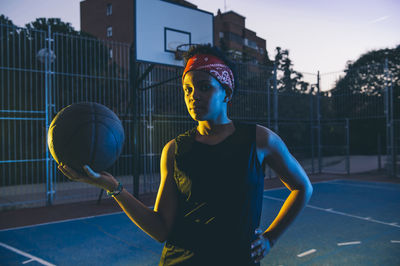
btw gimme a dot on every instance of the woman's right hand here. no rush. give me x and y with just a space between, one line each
102 180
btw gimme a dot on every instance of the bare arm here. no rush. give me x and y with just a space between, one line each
156 223
274 152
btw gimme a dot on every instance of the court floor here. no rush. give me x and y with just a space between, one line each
345 223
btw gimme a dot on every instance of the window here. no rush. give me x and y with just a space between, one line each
109 10
234 37
251 43
111 53
109 31
221 35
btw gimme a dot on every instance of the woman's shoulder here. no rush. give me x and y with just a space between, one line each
187 134
266 138
258 129
242 125
183 141
169 148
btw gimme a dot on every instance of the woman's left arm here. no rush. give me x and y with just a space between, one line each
273 151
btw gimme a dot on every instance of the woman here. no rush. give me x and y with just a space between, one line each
209 201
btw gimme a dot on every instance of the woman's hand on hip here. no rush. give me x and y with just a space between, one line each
260 248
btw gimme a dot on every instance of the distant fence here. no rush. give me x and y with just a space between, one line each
41 72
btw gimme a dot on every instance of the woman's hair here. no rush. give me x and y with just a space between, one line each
215 51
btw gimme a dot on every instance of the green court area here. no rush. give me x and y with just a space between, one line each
345 223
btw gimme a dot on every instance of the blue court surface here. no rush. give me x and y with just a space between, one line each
345 223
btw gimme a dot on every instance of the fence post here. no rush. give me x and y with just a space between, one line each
319 125
390 156
379 152
135 120
269 113
312 129
391 116
386 112
275 100
150 131
48 96
268 103
347 128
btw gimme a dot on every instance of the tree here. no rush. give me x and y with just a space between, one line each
55 23
289 80
6 21
366 79
359 95
293 97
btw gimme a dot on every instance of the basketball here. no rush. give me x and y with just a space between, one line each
86 133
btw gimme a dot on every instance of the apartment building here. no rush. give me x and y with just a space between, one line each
114 20
231 35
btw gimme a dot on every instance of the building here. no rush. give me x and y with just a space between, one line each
231 35
114 20
108 19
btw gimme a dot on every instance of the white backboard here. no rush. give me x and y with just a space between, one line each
161 26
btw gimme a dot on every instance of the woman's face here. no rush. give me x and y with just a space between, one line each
205 97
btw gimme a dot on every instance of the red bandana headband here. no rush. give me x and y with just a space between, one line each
213 66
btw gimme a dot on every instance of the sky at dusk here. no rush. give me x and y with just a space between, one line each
319 34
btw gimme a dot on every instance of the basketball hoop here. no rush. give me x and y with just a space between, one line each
181 49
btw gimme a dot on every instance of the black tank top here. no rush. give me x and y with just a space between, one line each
220 200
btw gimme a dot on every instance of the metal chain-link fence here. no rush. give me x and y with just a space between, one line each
331 124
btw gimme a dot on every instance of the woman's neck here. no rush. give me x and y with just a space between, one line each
208 128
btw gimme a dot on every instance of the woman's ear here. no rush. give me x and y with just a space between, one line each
228 94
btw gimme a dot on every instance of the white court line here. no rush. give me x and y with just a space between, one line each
395 241
285 188
341 213
349 243
31 257
308 252
66 220
107 214
60 221
363 181
327 181
27 261
364 186
272 189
